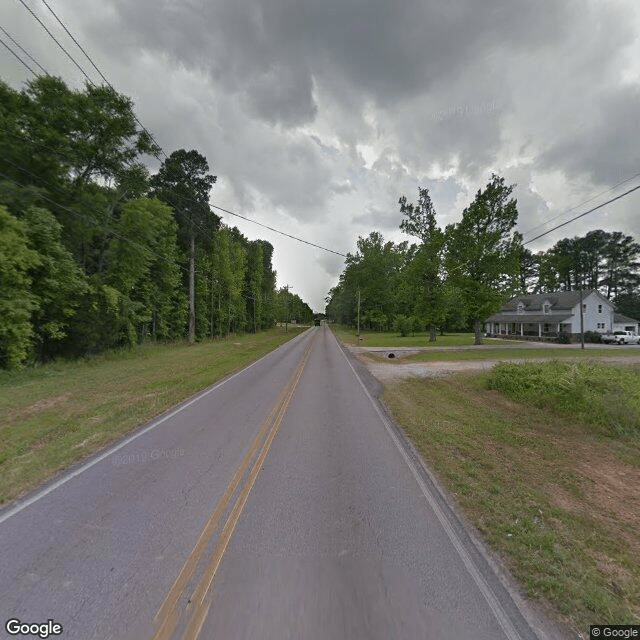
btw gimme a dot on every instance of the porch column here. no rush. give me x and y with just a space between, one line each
522 328
539 330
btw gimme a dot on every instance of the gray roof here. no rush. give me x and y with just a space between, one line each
618 318
558 299
530 318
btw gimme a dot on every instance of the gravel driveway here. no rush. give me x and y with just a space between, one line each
392 371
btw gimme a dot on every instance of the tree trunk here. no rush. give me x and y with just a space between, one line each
432 333
192 290
477 328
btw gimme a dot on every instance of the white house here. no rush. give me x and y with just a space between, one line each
548 314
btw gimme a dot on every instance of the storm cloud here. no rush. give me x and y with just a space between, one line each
317 115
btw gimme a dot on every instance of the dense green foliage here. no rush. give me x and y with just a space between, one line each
449 279
290 308
607 261
96 253
605 397
453 279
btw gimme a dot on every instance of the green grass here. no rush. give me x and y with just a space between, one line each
54 415
509 353
393 338
546 483
606 398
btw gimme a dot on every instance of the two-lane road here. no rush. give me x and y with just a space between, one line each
278 504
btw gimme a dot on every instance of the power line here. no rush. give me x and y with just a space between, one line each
4 44
93 64
75 62
283 233
46 4
288 235
615 186
66 158
84 216
582 214
149 252
24 4
26 53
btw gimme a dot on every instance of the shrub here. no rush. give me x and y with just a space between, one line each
403 325
593 336
564 338
608 398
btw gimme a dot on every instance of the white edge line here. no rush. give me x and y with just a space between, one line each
22 505
481 583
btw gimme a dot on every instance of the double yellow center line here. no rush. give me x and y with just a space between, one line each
170 613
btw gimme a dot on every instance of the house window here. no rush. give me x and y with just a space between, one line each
599 308
547 307
520 307
584 308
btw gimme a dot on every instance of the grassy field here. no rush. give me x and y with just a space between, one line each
393 338
54 415
506 353
544 459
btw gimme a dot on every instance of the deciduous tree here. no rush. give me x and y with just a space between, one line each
483 252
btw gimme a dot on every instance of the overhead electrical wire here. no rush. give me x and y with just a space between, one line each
93 64
622 195
26 53
4 44
102 227
79 214
615 186
93 221
232 213
288 235
227 211
42 24
88 217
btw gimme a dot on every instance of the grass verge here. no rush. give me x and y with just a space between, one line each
538 469
59 413
393 338
505 353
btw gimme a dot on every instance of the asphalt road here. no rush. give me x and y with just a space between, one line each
280 503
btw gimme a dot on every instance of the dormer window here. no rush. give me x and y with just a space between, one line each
547 307
520 307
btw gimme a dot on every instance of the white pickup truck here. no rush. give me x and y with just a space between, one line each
621 337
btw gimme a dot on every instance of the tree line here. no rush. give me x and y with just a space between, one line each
97 253
454 278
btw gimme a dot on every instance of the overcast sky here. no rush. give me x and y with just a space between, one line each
317 115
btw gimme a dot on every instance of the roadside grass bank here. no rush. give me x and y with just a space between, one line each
544 459
393 338
504 353
56 414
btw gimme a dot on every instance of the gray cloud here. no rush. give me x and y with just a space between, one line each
317 116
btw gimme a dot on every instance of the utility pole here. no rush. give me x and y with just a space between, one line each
581 318
192 291
358 313
286 308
